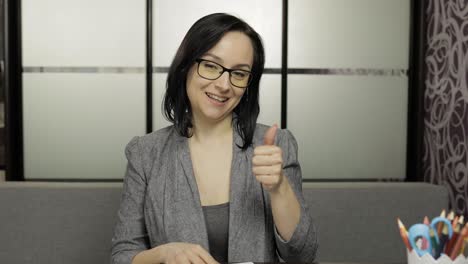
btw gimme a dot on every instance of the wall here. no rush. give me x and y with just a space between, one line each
445 159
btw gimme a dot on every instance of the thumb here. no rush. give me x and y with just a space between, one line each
269 138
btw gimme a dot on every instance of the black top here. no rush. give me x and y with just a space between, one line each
217 225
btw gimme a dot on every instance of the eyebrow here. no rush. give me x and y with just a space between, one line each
221 60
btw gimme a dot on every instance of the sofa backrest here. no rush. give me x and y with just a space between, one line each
357 221
73 222
57 222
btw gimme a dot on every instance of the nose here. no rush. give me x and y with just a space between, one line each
223 83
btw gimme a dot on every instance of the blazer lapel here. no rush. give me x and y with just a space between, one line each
195 231
240 206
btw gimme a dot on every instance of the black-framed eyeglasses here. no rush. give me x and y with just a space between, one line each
211 70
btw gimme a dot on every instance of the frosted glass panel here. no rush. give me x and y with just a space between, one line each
159 88
173 18
77 125
270 100
349 127
348 34
83 33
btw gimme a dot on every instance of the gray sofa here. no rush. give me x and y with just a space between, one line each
73 222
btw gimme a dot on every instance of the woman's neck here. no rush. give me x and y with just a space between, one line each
212 132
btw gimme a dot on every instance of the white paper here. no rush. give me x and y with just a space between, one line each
414 258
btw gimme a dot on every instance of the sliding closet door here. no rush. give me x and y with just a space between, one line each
84 81
348 87
83 86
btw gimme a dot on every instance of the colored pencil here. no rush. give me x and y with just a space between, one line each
465 241
404 234
433 241
458 244
440 226
425 243
453 239
463 249
451 216
442 241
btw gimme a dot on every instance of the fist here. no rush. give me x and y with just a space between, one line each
267 162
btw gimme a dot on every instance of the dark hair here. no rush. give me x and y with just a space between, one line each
200 38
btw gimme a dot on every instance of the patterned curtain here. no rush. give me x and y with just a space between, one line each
445 157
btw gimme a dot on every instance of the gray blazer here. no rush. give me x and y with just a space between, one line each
161 203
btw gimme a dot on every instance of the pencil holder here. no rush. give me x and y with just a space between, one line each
414 258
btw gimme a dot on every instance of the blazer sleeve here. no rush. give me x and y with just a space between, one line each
302 246
130 234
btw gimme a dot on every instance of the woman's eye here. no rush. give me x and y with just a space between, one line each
211 66
239 74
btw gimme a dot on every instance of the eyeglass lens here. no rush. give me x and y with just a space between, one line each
212 71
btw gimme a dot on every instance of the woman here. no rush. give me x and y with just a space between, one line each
215 186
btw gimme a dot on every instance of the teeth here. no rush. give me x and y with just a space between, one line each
217 98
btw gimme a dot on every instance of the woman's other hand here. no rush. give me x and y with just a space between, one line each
175 253
185 253
268 162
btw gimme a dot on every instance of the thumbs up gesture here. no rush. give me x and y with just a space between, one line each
268 162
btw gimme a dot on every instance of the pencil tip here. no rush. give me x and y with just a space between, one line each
426 220
400 224
451 215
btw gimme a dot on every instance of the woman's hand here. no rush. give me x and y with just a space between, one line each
181 253
268 162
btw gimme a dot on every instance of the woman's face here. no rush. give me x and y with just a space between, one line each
214 100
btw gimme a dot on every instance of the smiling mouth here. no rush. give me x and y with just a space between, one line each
217 98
